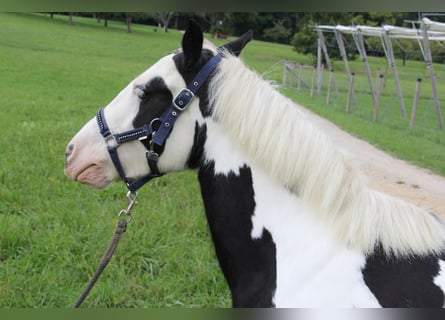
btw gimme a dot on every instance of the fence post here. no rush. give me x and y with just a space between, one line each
313 81
392 62
331 78
359 41
326 57
429 64
341 47
415 103
292 74
319 67
320 79
284 72
377 97
300 74
350 93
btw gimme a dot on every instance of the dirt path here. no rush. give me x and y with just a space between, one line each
386 173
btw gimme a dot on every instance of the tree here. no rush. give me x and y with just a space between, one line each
305 39
128 22
237 23
163 19
219 27
391 18
101 15
277 32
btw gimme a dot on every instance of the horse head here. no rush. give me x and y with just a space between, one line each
139 111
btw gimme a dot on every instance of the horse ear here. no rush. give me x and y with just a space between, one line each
237 45
192 44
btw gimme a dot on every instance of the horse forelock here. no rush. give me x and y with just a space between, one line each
275 135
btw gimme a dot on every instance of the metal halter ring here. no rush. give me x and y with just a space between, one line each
151 125
111 141
128 214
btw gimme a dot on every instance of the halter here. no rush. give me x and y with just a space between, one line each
158 137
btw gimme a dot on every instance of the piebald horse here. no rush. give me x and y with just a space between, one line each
292 221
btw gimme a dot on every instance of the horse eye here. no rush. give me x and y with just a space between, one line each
140 92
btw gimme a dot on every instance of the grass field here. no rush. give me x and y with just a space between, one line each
53 231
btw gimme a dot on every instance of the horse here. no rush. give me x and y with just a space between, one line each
293 222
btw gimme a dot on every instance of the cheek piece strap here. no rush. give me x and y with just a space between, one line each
157 138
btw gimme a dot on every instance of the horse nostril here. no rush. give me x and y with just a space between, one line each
69 150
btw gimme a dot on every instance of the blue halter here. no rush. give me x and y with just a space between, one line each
158 137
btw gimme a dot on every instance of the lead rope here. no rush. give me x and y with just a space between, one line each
118 232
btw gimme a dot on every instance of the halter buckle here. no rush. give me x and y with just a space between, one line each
183 99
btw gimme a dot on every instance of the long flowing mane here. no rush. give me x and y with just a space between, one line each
276 136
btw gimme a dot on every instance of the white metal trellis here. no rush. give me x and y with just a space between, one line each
428 31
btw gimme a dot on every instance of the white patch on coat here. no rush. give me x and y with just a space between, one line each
312 269
218 147
439 280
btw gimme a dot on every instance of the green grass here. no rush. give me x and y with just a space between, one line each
53 231
53 78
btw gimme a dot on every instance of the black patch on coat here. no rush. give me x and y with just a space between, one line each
249 265
403 281
157 98
196 157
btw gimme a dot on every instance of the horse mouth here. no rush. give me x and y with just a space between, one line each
92 175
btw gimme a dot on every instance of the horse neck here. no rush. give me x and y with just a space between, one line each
262 232
276 136
226 173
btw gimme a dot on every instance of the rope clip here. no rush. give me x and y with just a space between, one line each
132 201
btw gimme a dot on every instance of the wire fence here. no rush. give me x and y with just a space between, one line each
376 93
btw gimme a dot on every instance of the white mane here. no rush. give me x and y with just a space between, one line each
276 136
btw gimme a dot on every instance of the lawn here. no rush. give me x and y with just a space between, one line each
53 231
54 77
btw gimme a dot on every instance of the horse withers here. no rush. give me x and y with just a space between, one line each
292 222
